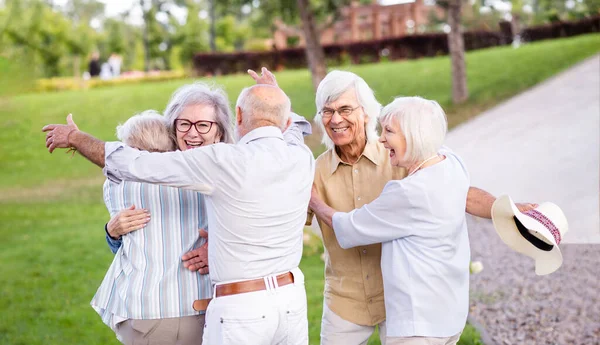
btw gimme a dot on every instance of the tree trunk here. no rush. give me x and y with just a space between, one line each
213 19
456 45
145 38
314 51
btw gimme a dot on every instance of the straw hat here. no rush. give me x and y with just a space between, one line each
536 233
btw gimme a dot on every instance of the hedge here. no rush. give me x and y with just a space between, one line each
406 47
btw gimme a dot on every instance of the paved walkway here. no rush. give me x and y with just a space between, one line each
542 145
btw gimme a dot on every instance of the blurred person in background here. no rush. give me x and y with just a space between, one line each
114 61
94 65
421 222
351 173
160 308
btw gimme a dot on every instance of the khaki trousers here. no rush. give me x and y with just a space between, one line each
337 331
185 330
422 340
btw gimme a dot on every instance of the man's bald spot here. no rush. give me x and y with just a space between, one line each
268 94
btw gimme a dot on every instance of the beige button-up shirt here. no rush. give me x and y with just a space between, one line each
353 281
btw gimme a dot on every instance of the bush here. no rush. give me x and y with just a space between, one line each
66 83
561 29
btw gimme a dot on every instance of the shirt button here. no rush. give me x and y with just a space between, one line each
364 251
356 171
371 300
367 277
358 198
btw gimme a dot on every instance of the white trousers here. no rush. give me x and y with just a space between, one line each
269 317
337 331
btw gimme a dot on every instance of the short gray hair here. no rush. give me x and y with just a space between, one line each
333 86
201 93
423 123
146 131
258 110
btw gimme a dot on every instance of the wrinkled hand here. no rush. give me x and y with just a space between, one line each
197 259
314 198
525 206
266 77
126 221
58 135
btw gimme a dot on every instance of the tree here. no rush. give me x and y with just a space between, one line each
314 52
314 16
192 35
456 46
116 39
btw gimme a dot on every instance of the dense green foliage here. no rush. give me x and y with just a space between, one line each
57 40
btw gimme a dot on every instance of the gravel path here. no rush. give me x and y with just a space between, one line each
514 306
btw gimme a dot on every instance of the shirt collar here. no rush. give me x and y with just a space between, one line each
371 152
261 132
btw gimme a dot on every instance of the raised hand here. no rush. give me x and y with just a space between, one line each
266 77
58 135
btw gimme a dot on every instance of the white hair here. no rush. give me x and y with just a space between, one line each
201 93
257 110
333 86
146 131
423 123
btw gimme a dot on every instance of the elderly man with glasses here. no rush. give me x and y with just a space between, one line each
350 174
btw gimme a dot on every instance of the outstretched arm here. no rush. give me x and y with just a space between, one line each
70 137
194 169
479 203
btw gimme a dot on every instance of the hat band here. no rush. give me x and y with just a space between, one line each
547 223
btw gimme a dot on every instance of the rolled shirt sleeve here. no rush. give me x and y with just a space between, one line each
192 169
299 128
385 219
113 244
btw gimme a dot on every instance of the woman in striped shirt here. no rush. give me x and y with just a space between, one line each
147 294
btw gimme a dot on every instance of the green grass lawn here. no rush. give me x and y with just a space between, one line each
53 254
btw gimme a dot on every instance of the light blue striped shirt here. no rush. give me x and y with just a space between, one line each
147 279
425 253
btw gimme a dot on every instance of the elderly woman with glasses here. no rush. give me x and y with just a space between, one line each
420 220
148 292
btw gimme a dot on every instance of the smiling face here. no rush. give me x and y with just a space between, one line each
394 140
192 138
346 130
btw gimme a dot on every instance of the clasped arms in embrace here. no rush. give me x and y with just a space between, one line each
253 232
365 180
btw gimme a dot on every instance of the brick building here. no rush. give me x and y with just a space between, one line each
366 22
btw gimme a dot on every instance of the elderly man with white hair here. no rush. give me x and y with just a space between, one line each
350 174
257 192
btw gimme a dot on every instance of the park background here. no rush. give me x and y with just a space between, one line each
53 254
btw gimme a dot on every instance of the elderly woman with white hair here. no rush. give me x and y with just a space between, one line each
149 292
420 220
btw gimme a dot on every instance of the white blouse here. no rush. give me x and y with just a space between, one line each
425 254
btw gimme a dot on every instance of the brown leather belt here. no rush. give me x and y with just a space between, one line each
242 287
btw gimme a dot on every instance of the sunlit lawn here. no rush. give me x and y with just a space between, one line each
53 255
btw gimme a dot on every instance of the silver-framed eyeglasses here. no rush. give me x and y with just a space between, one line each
344 111
202 127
